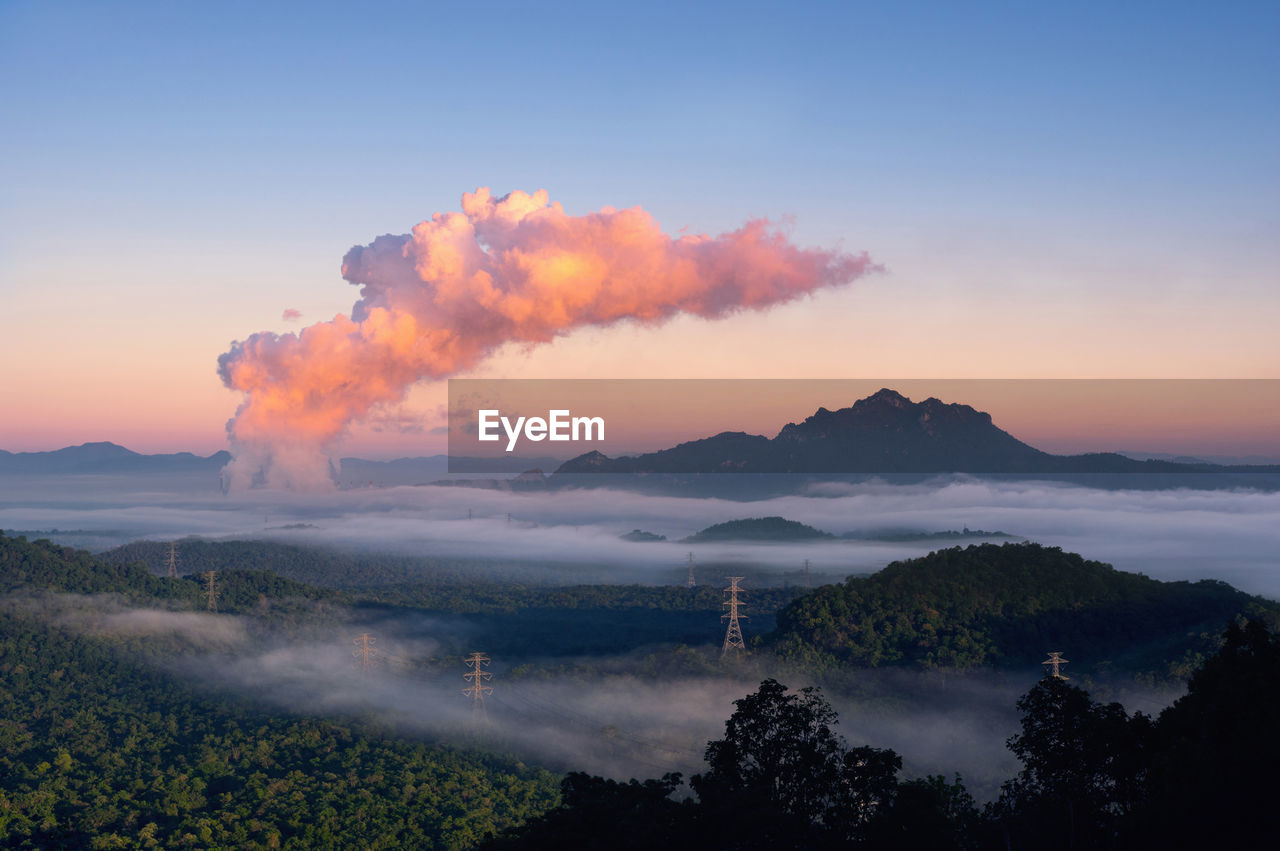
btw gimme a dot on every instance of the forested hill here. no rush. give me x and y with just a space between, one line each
99 748
45 565
1007 605
758 529
488 602
449 584
42 565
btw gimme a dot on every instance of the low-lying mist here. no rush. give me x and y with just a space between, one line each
1231 535
608 717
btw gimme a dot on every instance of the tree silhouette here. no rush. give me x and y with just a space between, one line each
596 813
1083 768
782 778
928 813
1214 777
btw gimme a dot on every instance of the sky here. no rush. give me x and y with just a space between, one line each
1221 417
1054 192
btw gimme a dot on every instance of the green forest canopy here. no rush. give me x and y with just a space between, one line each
757 529
99 749
1007 605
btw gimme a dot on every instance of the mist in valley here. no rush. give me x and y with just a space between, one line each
610 715
605 715
1230 535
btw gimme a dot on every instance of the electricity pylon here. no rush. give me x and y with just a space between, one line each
477 677
1055 660
365 651
692 581
807 583
211 590
733 635
173 560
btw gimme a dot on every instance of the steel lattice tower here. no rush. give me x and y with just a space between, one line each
733 635
365 651
173 560
211 590
692 581
1055 660
477 677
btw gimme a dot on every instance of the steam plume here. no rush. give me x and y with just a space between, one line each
511 269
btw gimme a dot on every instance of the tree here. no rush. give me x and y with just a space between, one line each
1213 778
928 812
596 813
782 778
1084 765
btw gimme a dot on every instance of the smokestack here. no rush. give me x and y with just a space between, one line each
439 300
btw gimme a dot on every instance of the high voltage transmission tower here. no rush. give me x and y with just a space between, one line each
733 635
211 590
1054 661
477 676
173 560
692 581
365 651
806 574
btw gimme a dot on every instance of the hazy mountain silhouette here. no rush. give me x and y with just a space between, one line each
105 457
883 433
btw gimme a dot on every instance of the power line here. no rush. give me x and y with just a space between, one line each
397 661
173 560
594 724
586 720
733 635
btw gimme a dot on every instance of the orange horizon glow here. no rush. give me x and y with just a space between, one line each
1219 417
1064 416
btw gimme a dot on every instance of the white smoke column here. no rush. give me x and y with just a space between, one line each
511 269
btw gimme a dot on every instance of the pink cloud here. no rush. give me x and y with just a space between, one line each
511 269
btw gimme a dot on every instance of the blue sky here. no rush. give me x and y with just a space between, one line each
176 174
700 111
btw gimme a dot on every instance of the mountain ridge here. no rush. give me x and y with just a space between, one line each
103 456
883 433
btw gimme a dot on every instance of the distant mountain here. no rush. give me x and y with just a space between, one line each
640 536
903 535
357 472
883 433
757 529
1227 460
104 457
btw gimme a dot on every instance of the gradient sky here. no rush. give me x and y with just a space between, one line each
1236 417
1083 191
